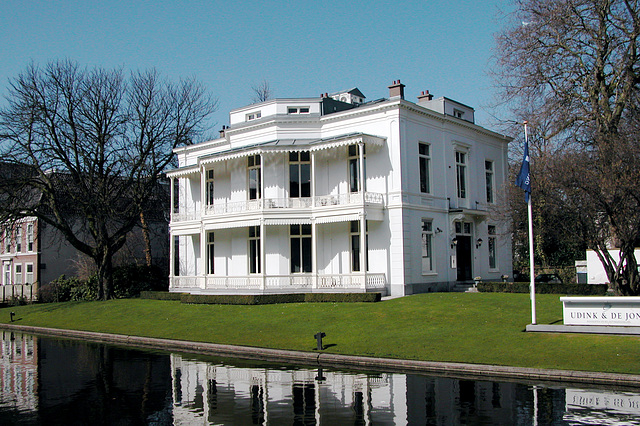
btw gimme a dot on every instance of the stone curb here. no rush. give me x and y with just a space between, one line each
323 359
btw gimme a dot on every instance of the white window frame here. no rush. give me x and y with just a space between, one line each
489 178
298 110
6 273
254 164
211 258
254 255
28 275
30 239
354 235
17 270
209 187
253 116
301 236
461 174
19 239
424 158
426 245
492 247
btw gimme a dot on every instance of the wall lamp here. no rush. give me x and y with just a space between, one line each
478 242
454 242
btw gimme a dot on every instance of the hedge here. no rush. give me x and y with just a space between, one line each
160 295
572 289
262 299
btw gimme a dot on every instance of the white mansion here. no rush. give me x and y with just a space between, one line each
336 194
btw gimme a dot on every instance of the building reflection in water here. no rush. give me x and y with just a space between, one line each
55 381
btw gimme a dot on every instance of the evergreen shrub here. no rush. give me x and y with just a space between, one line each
569 289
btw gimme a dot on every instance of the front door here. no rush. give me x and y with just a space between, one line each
463 255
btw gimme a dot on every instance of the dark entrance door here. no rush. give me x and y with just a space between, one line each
463 257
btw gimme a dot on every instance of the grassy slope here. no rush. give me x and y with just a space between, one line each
484 328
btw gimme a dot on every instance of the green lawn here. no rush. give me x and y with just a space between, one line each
480 328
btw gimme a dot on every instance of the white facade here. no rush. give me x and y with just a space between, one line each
278 202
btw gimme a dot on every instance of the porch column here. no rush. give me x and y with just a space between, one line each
361 167
363 248
263 265
203 255
314 253
261 188
313 179
171 236
171 197
203 191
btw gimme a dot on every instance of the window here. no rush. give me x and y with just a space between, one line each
19 239
210 253
424 161
253 167
461 174
463 228
28 278
298 110
253 115
299 174
7 274
427 246
488 172
457 113
354 166
300 248
209 187
492 247
30 237
7 241
176 256
354 232
18 275
254 250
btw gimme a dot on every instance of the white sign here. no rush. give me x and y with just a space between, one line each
613 311
620 402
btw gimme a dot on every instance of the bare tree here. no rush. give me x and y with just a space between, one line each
261 92
90 146
574 66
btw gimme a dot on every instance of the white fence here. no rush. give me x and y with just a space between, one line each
295 283
231 207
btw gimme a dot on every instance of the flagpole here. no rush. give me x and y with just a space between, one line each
532 275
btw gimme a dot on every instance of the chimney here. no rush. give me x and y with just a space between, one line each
222 130
425 96
396 90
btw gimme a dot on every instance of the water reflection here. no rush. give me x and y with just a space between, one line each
49 381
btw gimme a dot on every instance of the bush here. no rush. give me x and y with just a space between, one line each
65 289
265 299
160 295
130 280
569 289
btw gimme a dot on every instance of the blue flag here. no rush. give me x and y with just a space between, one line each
524 180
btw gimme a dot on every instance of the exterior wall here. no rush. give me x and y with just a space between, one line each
595 271
392 169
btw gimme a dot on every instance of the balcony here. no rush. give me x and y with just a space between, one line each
371 199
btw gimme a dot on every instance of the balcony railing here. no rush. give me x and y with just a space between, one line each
279 283
231 207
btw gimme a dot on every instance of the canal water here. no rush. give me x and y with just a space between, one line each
46 381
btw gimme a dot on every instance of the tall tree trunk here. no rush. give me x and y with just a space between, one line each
104 264
146 238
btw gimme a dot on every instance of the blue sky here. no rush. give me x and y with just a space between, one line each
302 49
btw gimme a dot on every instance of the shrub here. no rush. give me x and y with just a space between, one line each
160 295
64 289
130 280
518 287
264 299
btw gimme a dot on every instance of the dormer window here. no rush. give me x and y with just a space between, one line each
298 110
458 114
253 115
